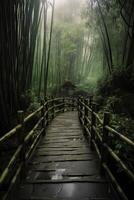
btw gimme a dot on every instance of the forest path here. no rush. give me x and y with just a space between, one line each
63 166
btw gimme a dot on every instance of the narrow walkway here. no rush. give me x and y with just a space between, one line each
63 166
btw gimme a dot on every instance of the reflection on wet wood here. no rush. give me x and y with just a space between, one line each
63 166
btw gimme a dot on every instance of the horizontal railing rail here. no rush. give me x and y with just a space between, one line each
27 140
99 130
101 134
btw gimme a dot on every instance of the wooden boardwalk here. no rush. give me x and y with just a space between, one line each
63 167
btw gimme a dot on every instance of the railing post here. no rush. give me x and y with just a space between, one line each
53 110
63 104
82 99
73 103
46 110
22 142
78 106
90 101
105 139
81 107
85 112
93 124
85 117
42 113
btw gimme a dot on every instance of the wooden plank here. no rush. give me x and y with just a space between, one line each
62 137
84 180
49 160
63 163
49 198
59 148
62 146
61 154
73 166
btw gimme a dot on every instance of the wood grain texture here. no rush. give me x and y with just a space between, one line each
64 166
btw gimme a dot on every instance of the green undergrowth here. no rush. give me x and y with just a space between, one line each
116 95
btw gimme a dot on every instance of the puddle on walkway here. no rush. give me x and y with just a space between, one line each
59 173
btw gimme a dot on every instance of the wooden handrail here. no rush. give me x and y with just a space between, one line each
118 160
13 182
10 134
88 108
119 135
90 121
10 164
47 111
100 139
27 138
29 117
34 143
98 118
18 127
58 105
97 133
114 181
113 131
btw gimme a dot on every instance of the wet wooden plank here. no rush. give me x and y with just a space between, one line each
43 198
59 159
59 153
84 166
66 191
63 166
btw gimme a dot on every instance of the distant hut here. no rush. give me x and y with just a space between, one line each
67 89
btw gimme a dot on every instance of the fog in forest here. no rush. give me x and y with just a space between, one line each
47 44
66 99
75 59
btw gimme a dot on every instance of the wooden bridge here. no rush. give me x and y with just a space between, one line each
63 151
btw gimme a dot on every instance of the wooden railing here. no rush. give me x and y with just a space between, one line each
25 139
101 136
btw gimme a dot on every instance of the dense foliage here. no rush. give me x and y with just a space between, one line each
19 25
43 43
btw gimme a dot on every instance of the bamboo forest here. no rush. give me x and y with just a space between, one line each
66 99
